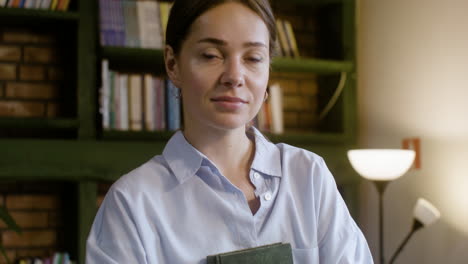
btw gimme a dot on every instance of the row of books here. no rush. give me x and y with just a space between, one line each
131 23
270 116
138 102
58 5
287 45
57 258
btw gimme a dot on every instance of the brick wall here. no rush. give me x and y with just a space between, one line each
38 208
31 73
299 99
303 22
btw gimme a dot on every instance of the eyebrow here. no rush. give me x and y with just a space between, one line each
220 42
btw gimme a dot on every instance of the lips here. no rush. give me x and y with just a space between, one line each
229 99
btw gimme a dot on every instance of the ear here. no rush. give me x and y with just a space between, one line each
172 66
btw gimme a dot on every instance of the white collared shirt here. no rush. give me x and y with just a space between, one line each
177 208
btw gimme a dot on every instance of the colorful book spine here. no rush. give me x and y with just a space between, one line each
294 51
164 9
123 104
105 94
132 32
173 112
149 103
276 109
149 23
160 88
135 99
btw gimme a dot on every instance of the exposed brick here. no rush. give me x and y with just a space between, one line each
294 75
53 109
40 253
307 120
21 109
291 119
28 219
55 219
99 200
31 201
55 74
308 87
288 86
39 54
29 238
7 71
10 53
11 256
31 90
297 103
25 36
32 73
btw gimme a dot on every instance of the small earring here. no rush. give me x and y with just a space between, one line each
266 96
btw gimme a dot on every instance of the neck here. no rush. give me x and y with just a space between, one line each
228 149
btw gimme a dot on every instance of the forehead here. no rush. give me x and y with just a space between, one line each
231 20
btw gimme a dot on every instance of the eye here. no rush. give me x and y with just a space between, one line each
210 56
255 59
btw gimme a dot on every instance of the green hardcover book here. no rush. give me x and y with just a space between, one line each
278 253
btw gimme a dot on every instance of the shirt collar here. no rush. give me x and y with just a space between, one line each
184 160
267 156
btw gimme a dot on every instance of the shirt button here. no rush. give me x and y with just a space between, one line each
267 196
256 175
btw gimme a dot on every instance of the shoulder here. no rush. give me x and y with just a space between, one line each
150 176
298 156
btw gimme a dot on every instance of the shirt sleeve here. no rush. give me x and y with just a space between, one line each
340 239
114 237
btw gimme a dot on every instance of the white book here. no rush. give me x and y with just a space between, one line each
105 94
149 23
150 102
135 102
283 38
291 39
276 108
28 4
160 88
123 79
37 4
45 4
116 101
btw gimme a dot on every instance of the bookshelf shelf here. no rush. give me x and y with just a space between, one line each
153 58
137 135
36 16
134 58
311 65
35 123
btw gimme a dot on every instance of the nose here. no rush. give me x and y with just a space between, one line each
233 75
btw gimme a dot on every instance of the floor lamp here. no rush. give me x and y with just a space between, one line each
381 166
424 214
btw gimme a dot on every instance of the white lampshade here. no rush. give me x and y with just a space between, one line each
381 164
425 212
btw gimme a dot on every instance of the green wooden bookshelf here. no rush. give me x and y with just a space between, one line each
39 123
35 16
95 155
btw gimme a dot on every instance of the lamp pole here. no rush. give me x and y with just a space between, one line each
381 185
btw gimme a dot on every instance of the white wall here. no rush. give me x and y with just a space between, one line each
413 81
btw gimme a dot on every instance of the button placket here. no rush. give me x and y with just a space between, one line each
267 196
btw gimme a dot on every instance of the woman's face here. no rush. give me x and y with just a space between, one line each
223 68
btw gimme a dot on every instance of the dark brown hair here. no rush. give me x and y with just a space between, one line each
185 12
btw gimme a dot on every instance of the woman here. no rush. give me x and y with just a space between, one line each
219 185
